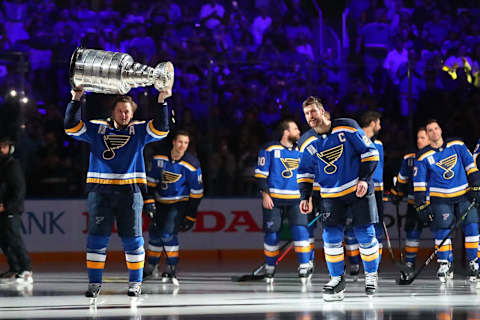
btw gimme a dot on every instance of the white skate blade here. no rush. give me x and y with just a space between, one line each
333 297
175 282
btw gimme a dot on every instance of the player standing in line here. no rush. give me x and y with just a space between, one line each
370 123
276 175
175 185
115 180
311 110
404 187
344 160
449 171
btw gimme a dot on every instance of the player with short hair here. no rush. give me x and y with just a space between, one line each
449 171
404 187
276 175
174 194
344 159
371 125
116 179
311 109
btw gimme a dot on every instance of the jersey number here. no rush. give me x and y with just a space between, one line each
261 161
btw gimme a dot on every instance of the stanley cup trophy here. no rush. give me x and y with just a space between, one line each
116 73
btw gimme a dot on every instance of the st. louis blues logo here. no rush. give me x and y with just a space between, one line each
113 142
447 164
169 177
290 164
329 156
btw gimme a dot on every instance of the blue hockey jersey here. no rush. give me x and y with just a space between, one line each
378 174
447 171
276 172
404 185
339 158
173 181
305 140
116 156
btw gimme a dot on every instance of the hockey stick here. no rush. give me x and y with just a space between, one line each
255 273
399 231
399 227
407 280
403 269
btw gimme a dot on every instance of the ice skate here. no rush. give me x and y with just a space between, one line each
305 272
445 272
269 274
334 289
93 291
149 271
170 275
472 270
371 281
134 289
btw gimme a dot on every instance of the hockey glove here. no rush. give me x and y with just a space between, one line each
475 191
149 208
187 223
425 214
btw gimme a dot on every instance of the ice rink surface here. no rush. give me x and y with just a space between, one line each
207 295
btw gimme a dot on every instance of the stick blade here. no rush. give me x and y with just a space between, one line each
247 277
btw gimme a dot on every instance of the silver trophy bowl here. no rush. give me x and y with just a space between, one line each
116 73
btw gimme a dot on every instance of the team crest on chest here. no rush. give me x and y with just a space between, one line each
113 142
329 156
290 164
169 177
447 164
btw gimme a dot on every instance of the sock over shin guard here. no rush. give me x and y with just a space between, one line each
155 249
445 251
333 247
301 242
271 248
170 242
411 246
135 256
471 240
96 256
369 251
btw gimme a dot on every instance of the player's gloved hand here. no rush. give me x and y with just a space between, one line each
475 191
395 198
149 208
187 223
425 214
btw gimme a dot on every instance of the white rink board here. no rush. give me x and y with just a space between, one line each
61 226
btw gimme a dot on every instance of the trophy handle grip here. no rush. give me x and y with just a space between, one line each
73 60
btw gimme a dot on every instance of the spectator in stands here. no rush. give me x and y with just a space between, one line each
211 14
